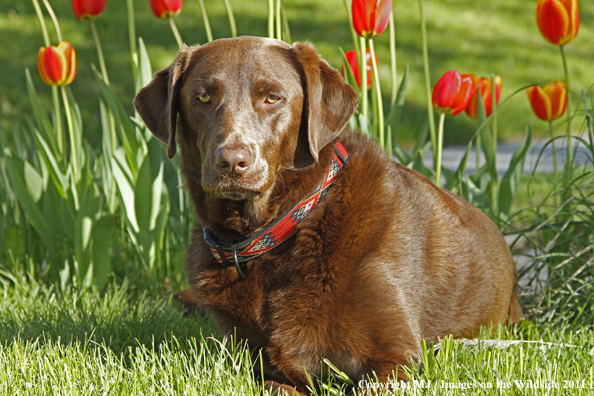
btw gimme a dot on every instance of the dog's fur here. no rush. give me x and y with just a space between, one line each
385 260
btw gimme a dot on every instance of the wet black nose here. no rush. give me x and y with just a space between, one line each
233 160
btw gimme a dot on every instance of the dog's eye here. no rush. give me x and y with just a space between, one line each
204 98
272 99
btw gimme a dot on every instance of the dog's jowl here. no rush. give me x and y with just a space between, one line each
312 244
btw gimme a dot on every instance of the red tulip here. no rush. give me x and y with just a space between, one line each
548 102
484 86
452 92
88 9
57 65
371 17
166 8
352 57
558 20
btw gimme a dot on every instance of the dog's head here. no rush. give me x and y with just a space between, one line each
247 108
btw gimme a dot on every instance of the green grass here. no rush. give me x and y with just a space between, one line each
481 37
122 341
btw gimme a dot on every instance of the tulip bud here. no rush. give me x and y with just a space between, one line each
548 102
452 92
57 65
484 88
352 58
88 9
558 20
371 17
166 8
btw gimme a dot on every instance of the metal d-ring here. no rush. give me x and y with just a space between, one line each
240 271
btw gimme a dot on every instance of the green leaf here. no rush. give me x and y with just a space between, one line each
59 178
486 139
145 72
404 158
126 190
143 196
134 146
511 179
350 77
455 179
395 114
101 236
41 120
16 173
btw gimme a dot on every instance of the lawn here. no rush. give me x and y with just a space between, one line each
126 342
481 37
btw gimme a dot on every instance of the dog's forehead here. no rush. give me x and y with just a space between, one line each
243 57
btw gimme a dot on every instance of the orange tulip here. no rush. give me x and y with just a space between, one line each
548 102
558 20
166 8
452 92
484 87
352 57
57 65
371 17
88 9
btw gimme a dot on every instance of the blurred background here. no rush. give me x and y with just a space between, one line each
486 37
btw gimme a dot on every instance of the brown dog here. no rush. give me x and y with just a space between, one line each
380 260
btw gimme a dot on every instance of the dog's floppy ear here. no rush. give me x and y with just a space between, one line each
329 101
157 103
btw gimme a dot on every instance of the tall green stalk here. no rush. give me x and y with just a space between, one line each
393 59
271 18
231 18
569 117
378 92
279 28
206 23
178 38
132 37
363 73
74 146
99 52
428 82
437 150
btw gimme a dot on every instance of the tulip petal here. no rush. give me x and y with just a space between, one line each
540 103
553 22
467 90
445 90
384 9
558 97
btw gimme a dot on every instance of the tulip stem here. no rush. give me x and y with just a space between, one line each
363 73
46 38
494 117
378 91
279 29
206 25
271 18
569 118
99 52
437 149
427 80
132 36
551 130
52 15
353 33
231 18
58 119
74 140
393 58
176 34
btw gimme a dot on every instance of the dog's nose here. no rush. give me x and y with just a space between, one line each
233 160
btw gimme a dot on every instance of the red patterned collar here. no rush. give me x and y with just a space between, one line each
239 253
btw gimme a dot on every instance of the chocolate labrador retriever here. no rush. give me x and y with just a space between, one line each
312 243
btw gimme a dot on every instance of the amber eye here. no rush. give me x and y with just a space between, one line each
204 98
272 99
